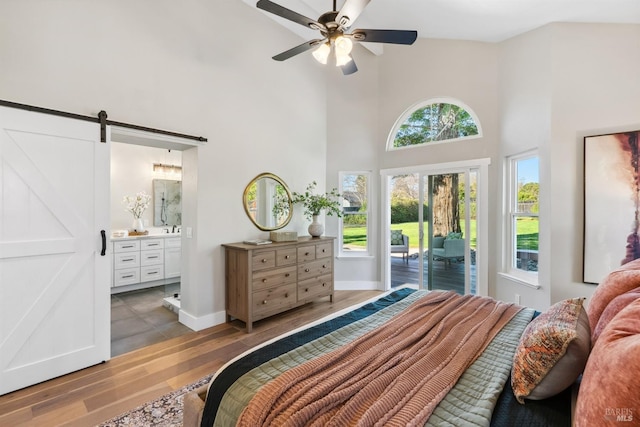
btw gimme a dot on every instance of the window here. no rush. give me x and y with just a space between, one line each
354 229
523 221
436 120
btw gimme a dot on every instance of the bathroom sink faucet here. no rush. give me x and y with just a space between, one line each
174 229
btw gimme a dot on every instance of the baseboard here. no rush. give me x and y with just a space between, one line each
357 286
204 322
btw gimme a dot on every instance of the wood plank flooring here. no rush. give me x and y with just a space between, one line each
96 394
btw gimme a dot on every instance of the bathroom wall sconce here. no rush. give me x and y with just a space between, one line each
159 167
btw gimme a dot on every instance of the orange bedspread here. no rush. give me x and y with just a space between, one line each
394 375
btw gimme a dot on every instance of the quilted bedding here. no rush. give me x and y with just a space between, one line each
471 401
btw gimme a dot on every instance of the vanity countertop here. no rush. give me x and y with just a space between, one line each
147 236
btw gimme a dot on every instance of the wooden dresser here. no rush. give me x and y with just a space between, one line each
263 280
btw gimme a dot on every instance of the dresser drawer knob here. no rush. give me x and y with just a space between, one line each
306 253
287 275
287 256
264 260
286 295
264 280
306 289
324 266
306 270
264 301
324 284
324 250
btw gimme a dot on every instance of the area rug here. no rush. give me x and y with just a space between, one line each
166 411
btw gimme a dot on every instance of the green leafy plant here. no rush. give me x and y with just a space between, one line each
314 204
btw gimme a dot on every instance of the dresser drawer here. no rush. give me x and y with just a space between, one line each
272 278
151 244
273 300
151 272
153 257
126 276
306 253
314 269
314 288
324 250
126 260
286 256
262 260
126 246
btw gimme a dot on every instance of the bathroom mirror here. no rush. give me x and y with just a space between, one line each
267 202
167 203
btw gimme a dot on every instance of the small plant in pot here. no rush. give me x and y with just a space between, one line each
314 204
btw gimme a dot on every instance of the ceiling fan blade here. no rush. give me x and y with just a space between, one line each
385 36
350 11
283 12
298 49
349 68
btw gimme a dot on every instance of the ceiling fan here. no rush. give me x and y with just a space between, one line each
333 26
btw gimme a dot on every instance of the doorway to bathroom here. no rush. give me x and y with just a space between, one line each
146 236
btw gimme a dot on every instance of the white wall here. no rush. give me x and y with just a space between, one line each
525 116
363 114
559 84
193 67
596 89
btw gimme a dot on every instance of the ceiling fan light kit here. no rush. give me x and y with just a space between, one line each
333 26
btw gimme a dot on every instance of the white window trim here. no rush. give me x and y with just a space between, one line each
368 253
482 231
440 100
528 278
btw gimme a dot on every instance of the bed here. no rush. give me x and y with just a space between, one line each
412 357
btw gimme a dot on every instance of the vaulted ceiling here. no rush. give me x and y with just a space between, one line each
480 20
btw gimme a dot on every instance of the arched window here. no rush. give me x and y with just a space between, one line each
436 120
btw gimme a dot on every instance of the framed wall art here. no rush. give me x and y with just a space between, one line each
611 203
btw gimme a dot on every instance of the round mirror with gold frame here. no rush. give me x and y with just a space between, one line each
267 202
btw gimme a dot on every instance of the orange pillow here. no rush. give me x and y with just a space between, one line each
610 391
619 281
612 309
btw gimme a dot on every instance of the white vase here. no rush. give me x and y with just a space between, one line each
138 225
316 228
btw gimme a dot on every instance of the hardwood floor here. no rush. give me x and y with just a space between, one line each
96 394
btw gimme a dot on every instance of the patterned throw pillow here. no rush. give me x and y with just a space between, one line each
396 237
452 236
552 352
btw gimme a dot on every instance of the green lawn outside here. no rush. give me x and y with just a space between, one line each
527 233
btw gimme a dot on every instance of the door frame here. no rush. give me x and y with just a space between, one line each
189 273
482 226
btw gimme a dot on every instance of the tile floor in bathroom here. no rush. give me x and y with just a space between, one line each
139 319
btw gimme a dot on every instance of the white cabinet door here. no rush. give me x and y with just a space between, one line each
54 277
172 261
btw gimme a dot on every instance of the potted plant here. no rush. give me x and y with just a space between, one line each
314 204
137 205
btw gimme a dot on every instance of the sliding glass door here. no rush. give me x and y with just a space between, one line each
438 212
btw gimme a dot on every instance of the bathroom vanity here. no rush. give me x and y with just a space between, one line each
145 261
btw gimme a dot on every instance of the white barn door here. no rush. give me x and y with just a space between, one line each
54 280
